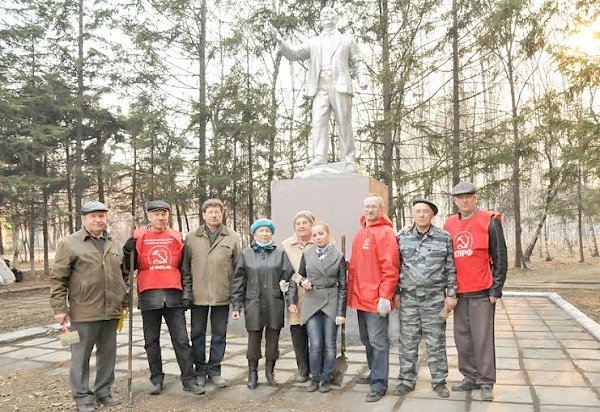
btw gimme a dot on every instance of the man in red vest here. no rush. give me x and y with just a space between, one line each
163 292
480 258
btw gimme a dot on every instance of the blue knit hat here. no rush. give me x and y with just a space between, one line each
262 222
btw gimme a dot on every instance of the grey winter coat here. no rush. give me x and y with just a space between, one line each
255 286
328 277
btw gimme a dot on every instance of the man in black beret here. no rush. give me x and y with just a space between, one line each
427 285
163 293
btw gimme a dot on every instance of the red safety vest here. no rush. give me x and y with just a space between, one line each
470 241
159 256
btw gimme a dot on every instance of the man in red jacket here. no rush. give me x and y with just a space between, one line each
480 258
372 280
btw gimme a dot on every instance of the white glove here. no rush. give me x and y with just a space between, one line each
340 320
284 286
384 306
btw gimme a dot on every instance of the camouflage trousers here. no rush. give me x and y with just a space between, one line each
419 320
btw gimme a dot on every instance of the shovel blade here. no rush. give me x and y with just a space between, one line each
339 370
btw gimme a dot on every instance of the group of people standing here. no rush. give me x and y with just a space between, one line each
423 270
461 267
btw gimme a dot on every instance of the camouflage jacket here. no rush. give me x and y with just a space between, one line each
427 260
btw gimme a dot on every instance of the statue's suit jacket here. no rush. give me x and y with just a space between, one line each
346 52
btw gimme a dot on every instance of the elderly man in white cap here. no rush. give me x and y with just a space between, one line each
87 275
481 263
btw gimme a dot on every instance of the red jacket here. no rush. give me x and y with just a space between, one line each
374 266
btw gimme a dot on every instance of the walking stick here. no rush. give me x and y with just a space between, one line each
130 342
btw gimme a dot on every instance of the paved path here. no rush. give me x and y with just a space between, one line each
548 359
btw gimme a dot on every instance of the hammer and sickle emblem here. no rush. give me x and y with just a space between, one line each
463 240
159 255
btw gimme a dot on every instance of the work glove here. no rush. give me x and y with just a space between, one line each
340 320
284 286
130 244
384 306
186 303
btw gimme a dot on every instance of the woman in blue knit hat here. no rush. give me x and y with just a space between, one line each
261 278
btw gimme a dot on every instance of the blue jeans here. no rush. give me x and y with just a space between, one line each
322 334
373 331
218 329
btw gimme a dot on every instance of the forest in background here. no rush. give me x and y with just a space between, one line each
126 101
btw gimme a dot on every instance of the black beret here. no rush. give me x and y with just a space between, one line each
427 202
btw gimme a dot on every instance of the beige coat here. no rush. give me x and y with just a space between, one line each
211 267
91 282
294 248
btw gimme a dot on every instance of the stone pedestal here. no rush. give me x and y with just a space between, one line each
335 200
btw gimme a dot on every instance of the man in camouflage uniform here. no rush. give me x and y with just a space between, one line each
427 290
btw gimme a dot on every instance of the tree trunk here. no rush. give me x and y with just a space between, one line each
386 85
1 236
179 221
79 128
69 178
187 222
234 195
16 238
100 167
455 101
551 193
547 252
592 236
516 168
579 215
202 109
566 236
45 234
32 239
246 120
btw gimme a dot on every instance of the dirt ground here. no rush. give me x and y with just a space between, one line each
48 391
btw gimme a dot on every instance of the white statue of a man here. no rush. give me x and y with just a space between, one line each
329 84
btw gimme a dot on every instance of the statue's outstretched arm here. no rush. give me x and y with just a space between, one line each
293 53
359 65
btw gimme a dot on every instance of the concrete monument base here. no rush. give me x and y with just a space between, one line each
336 200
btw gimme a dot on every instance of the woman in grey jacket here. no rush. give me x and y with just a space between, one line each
323 276
259 281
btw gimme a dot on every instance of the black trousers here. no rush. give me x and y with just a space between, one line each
253 352
175 319
300 344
